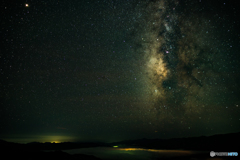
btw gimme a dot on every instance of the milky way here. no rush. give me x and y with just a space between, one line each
179 60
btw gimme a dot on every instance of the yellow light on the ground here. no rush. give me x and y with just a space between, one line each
115 146
55 142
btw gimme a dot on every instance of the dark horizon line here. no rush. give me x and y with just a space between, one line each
47 142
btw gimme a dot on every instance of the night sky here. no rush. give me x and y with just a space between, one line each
111 70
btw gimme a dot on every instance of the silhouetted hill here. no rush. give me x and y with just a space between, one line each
35 150
63 146
49 146
220 142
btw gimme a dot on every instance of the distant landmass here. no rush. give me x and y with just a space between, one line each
220 143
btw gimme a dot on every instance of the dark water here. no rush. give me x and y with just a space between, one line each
140 153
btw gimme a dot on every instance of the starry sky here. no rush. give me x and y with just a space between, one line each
112 70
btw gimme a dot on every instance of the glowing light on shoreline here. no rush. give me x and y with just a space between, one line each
154 150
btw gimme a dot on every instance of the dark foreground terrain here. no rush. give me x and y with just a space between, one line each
41 151
221 143
217 143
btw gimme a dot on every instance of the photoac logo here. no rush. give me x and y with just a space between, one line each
212 153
